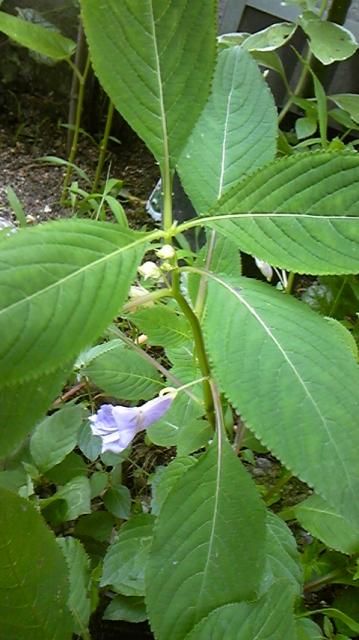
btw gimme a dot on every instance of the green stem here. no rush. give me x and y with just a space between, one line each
142 300
200 348
302 81
280 483
167 181
337 298
290 282
328 578
201 295
79 108
221 430
103 146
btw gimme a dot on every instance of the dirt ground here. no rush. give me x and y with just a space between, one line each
38 185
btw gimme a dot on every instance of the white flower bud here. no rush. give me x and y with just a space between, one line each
166 252
149 270
264 268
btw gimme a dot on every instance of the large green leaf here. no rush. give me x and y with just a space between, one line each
155 60
60 286
163 326
36 37
235 134
282 556
123 374
165 479
270 618
299 213
208 547
33 576
323 522
125 561
78 564
294 384
56 436
24 404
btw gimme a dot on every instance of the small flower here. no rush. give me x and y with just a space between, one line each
117 425
166 252
149 270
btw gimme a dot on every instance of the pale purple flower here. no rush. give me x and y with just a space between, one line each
117 426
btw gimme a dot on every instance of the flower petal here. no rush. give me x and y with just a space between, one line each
117 426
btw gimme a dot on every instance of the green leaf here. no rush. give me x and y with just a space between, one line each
56 436
71 467
305 127
163 326
329 42
117 501
89 444
97 525
347 602
183 411
23 405
37 38
271 38
33 575
208 541
349 102
326 524
307 630
164 55
305 382
126 559
236 132
123 374
130 609
165 479
298 213
269 618
61 284
98 483
282 556
78 564
76 494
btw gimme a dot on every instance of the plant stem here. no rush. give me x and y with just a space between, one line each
337 298
201 295
150 297
279 484
314 585
146 356
167 181
298 90
80 101
290 282
103 146
200 348
79 66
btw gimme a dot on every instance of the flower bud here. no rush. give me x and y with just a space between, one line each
149 270
166 252
264 268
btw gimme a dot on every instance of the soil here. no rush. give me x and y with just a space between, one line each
38 185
